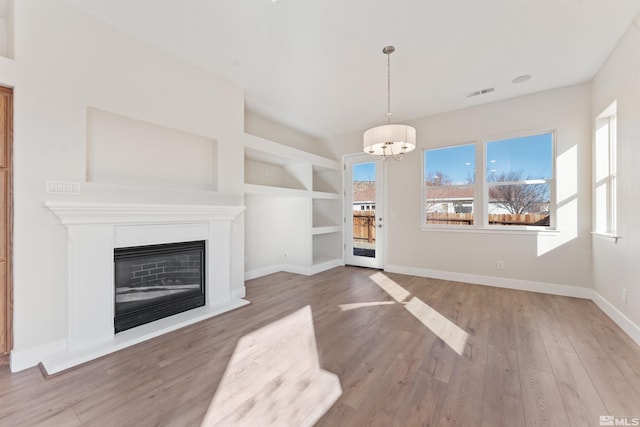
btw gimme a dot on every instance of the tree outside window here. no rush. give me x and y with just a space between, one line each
519 179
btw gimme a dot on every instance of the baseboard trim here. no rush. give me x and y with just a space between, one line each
324 266
259 272
626 324
24 359
499 282
295 269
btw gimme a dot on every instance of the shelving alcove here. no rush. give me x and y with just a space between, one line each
293 215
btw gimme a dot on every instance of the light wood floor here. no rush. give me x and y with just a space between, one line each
530 359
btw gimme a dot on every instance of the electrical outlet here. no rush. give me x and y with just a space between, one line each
624 295
499 265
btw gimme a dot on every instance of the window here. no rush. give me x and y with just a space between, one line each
604 172
516 187
519 180
449 181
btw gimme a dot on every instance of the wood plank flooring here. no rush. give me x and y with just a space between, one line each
529 360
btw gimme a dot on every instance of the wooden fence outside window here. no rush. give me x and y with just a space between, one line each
536 219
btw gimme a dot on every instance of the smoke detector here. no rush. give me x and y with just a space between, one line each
521 79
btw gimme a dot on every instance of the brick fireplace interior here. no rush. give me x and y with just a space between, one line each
156 281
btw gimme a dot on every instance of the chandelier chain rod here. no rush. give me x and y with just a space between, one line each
388 88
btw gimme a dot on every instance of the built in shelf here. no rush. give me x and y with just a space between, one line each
302 215
267 190
326 179
325 195
264 150
328 229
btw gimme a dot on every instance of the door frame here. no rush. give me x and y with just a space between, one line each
7 310
379 260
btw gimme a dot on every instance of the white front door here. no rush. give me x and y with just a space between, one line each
363 211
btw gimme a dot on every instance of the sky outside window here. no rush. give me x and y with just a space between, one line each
530 155
457 163
364 172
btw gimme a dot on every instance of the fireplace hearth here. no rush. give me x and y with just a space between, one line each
157 281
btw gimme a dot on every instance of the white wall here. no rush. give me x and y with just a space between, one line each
67 62
260 126
6 28
553 259
118 150
275 227
616 265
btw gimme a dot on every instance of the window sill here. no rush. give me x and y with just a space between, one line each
609 237
492 230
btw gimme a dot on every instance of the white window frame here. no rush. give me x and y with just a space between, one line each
608 228
481 191
551 181
474 200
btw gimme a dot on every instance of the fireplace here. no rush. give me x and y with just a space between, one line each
157 281
96 229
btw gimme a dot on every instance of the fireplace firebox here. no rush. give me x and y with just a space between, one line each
156 281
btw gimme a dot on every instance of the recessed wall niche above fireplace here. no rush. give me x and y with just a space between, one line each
157 281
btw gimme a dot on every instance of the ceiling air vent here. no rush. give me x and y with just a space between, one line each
480 92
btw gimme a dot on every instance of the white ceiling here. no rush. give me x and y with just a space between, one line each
318 66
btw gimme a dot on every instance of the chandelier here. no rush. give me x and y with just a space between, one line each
390 140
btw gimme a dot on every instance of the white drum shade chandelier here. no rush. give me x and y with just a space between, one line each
390 140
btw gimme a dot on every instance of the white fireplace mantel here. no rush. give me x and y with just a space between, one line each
75 213
95 230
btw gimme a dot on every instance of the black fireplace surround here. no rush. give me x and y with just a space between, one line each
156 281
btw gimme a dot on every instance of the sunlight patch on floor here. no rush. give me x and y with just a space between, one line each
353 306
396 291
274 378
445 329
454 336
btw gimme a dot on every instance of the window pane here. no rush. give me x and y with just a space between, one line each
602 150
449 205
519 204
519 159
450 166
364 219
449 174
600 205
604 171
